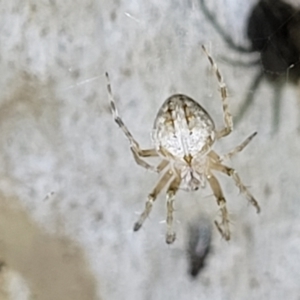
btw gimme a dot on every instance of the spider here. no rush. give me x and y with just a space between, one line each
273 31
183 135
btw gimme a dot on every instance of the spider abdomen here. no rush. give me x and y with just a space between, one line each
183 128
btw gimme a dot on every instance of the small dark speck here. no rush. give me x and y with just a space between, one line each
113 15
267 191
254 283
98 216
33 8
126 72
73 206
75 73
44 32
248 232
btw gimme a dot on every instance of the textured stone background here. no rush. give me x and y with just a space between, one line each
69 187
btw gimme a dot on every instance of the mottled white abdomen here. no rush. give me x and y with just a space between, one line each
183 128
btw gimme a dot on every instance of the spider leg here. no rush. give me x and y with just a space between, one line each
236 178
138 153
151 198
214 156
173 188
250 96
134 145
223 227
238 148
212 19
162 165
223 90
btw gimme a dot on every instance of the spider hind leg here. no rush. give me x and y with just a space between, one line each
151 198
171 192
223 226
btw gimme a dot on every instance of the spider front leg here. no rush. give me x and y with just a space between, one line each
238 148
151 198
173 188
236 178
216 158
224 95
134 145
223 227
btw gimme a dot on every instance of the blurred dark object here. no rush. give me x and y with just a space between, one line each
273 30
2 265
199 240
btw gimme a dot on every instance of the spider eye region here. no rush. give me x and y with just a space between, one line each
183 128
